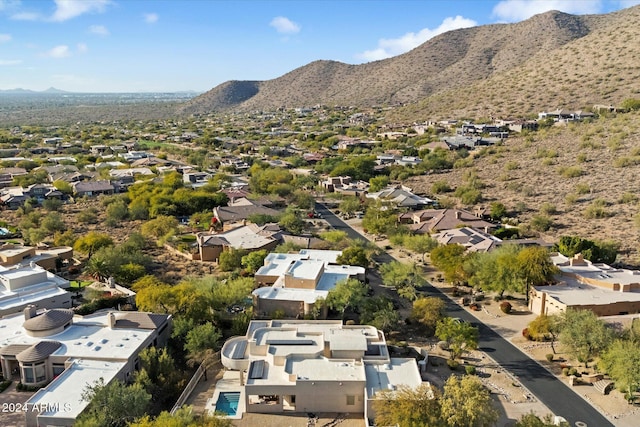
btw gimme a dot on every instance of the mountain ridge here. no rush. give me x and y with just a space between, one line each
446 64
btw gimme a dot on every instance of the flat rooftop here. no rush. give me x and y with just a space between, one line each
305 269
573 292
88 337
63 396
399 371
326 370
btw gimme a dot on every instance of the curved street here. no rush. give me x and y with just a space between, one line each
552 392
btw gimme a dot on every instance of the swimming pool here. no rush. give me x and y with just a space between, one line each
228 402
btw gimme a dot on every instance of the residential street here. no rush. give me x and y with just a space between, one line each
557 396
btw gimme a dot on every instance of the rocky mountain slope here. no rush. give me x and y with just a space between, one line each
577 60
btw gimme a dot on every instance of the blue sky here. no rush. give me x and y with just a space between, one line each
175 45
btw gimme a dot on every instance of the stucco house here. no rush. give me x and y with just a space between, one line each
68 352
581 284
293 283
289 366
250 237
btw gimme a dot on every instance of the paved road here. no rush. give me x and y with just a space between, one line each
555 394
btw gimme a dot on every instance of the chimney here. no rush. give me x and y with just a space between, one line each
112 320
111 282
29 312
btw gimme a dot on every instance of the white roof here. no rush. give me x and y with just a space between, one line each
574 293
398 372
63 396
305 269
87 337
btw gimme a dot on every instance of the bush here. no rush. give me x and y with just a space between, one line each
574 372
526 333
549 357
452 364
565 372
4 385
505 307
470 369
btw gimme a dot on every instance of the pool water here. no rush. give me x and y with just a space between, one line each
228 403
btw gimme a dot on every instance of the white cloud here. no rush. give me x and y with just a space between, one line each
151 18
61 51
392 47
284 25
518 10
5 38
82 48
99 30
10 61
68 9
26 16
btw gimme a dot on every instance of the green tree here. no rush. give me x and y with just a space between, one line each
497 270
53 222
379 220
498 211
622 362
254 260
460 336
404 277
532 420
52 205
114 404
292 222
584 334
420 243
347 294
201 342
536 267
428 311
419 407
91 242
349 205
161 228
128 273
231 259
449 259
467 403
353 255
546 326
117 211
378 183
159 377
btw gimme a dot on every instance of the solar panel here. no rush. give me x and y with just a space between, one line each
256 370
239 350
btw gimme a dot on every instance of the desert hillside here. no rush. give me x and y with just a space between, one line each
503 69
583 176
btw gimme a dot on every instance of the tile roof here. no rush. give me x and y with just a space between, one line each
50 319
39 351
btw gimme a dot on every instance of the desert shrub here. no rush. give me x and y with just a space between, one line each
581 158
574 372
278 314
452 364
541 223
565 372
597 209
549 357
582 188
570 171
628 198
548 209
571 199
505 307
526 333
512 165
470 369
440 187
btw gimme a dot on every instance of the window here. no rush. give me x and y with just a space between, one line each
351 400
34 373
58 369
